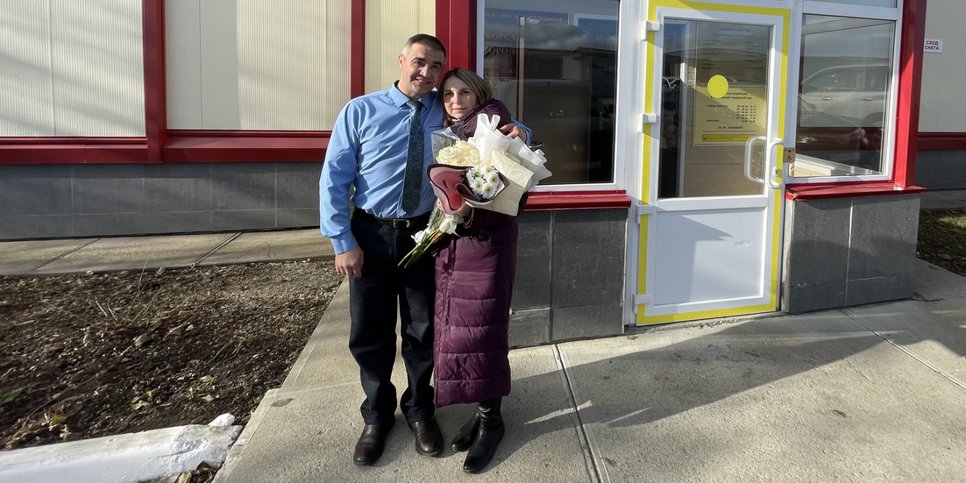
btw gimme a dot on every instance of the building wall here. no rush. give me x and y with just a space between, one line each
941 169
68 201
570 276
844 252
942 102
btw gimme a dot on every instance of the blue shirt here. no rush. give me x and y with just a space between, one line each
367 151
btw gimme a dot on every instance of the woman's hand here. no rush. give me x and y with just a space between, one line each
464 210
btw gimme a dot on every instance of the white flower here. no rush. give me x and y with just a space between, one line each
439 224
449 222
483 180
460 154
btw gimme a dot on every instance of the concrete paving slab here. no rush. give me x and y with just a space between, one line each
325 359
931 282
22 257
317 407
308 435
808 398
933 332
137 253
272 246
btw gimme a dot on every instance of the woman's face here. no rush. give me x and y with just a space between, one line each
458 98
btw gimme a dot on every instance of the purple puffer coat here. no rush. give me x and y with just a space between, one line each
474 283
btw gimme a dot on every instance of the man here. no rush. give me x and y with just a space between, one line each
368 153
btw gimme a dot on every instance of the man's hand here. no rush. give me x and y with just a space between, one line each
349 262
512 131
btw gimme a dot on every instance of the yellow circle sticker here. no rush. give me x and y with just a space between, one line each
717 86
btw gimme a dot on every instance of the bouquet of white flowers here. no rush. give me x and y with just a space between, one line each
490 172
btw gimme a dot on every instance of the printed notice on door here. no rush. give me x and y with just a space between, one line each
730 119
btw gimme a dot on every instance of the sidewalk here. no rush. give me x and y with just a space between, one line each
876 392
868 393
47 257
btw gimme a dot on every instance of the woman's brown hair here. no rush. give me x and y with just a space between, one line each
476 83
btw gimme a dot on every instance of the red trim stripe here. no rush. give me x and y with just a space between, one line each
847 190
456 28
942 141
155 93
577 200
245 146
59 150
913 31
357 45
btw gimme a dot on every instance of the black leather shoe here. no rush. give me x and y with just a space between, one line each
429 440
371 443
466 434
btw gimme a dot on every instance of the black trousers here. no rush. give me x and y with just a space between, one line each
373 302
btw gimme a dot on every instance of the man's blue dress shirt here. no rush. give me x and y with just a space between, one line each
367 151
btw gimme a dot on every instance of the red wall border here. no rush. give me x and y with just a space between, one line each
456 28
357 82
942 141
913 31
155 85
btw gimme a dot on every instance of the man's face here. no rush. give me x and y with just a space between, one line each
419 70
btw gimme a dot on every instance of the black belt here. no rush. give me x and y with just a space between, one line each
414 222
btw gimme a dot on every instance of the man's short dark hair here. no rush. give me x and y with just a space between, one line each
426 40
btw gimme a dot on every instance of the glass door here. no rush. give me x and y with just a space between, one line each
710 220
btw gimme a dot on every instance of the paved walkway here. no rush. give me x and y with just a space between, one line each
876 392
861 394
46 257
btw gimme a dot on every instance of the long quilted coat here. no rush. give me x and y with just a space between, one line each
474 283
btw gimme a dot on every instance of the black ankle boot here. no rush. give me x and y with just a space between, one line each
488 436
467 433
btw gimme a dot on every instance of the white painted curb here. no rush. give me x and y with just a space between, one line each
122 459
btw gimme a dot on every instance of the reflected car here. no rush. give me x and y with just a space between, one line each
844 96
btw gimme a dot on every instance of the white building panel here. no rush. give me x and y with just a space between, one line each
71 68
255 65
942 103
25 83
98 67
388 24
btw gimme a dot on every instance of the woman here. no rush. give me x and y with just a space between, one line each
474 283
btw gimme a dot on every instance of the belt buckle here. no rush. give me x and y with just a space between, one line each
400 223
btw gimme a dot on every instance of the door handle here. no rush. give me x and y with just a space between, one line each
748 145
771 167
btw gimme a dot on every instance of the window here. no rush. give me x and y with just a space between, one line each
868 3
554 63
844 97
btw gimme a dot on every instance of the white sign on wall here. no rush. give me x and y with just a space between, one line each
933 46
